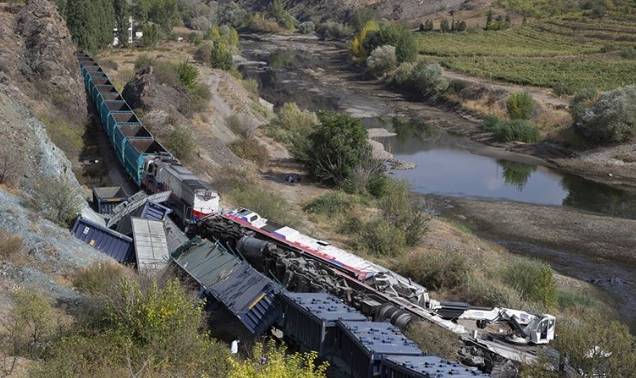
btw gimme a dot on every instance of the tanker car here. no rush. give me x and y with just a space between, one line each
148 164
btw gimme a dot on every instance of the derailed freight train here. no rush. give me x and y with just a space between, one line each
353 345
305 264
300 262
149 165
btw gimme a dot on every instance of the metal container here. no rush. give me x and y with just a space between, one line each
425 367
310 320
106 199
151 247
224 278
109 242
360 347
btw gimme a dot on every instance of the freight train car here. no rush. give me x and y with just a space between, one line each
145 160
354 346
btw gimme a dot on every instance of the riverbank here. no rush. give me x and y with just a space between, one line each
586 246
324 79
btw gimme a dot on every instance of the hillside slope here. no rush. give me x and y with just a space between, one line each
39 80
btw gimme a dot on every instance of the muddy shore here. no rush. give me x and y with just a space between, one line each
597 249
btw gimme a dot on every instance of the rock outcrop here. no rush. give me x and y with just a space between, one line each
37 55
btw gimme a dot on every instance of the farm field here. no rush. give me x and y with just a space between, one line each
565 53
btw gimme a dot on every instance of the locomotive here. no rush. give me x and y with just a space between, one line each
148 164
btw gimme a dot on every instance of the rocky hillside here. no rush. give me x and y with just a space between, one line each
41 97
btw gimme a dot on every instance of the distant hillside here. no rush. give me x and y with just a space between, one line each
405 10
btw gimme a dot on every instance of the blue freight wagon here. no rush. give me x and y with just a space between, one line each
310 320
226 279
132 142
425 367
111 243
360 347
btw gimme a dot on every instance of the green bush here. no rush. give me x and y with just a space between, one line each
424 79
379 238
332 203
379 185
520 105
335 149
534 280
396 35
259 23
510 131
250 149
402 75
382 60
611 354
31 324
306 27
427 80
628 53
181 143
187 74
221 57
144 330
99 278
435 270
203 53
233 14
611 118
266 203
57 199
402 212
281 15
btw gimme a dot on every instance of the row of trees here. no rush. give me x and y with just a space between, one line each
91 22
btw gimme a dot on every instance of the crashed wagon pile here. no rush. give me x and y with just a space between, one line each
134 230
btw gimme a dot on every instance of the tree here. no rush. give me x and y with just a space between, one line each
122 13
91 23
336 148
597 347
164 13
151 35
135 330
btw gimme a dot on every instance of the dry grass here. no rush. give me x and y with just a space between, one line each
11 248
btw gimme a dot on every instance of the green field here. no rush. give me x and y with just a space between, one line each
566 53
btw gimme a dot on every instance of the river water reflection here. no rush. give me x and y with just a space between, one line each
447 165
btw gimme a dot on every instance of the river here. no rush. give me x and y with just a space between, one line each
316 76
